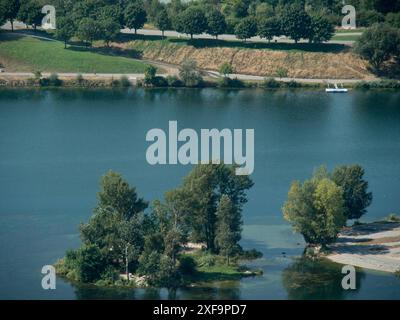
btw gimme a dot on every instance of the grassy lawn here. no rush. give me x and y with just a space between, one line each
345 37
217 270
31 54
350 30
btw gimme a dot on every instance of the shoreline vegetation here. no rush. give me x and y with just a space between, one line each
54 80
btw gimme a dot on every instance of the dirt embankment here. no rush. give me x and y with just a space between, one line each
260 62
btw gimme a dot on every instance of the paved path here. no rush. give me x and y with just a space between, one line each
229 37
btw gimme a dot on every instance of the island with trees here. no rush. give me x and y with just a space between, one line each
191 236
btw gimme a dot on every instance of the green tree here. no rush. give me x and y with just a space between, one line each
227 234
378 44
225 69
88 30
192 21
295 22
393 19
118 194
30 13
322 29
135 16
189 74
246 28
268 28
109 29
216 24
90 264
316 209
150 74
65 29
2 14
355 190
10 10
201 192
162 21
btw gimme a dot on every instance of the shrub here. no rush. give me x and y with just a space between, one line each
54 80
174 81
282 72
206 260
159 82
270 83
187 265
251 254
393 218
124 81
293 84
79 79
37 75
230 83
150 74
189 74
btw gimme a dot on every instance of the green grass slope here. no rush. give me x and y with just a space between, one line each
30 54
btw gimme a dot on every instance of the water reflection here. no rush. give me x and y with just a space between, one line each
308 279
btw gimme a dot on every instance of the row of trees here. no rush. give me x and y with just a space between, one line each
121 237
102 19
319 207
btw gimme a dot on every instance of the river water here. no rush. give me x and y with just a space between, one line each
56 144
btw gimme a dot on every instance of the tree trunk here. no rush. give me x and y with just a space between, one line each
65 44
191 36
126 263
162 34
12 25
135 31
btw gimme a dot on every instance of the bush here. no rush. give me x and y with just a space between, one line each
37 75
226 82
189 74
393 218
79 79
159 82
366 18
206 260
174 81
124 82
293 84
150 74
54 80
282 72
251 254
187 265
270 83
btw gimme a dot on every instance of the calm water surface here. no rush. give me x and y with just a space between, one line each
55 145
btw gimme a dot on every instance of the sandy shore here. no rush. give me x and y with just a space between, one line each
372 246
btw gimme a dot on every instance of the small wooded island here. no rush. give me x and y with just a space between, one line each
192 236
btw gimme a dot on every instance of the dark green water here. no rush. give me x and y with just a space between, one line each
55 145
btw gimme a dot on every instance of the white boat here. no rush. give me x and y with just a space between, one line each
336 89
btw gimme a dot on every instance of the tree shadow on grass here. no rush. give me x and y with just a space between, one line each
108 51
212 43
307 47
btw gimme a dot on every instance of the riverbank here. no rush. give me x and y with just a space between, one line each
211 79
373 246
